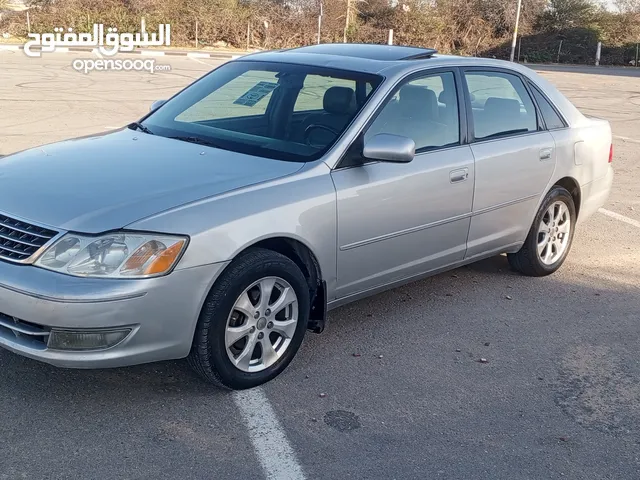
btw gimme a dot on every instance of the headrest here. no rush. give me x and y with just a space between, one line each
412 96
504 106
338 100
446 96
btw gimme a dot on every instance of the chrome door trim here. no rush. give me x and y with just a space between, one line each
505 204
404 232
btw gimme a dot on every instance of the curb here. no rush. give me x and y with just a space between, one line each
150 53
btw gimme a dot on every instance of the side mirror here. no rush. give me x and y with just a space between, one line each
389 148
157 104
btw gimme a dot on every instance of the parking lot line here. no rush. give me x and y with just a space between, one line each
622 218
626 139
269 441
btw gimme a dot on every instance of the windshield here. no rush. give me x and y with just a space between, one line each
275 110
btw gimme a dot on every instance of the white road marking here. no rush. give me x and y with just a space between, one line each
626 139
622 218
199 61
269 441
198 55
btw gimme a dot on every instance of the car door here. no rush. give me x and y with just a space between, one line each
514 159
396 220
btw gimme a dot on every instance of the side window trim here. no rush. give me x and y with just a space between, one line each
428 72
469 108
538 90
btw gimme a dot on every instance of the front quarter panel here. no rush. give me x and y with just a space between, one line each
301 206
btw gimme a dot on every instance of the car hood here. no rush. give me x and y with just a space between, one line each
108 181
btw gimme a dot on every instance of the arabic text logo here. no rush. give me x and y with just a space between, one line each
109 44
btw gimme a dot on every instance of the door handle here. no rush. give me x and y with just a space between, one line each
461 175
545 153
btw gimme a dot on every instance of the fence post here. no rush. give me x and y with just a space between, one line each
598 52
28 22
636 64
559 50
390 41
196 33
248 33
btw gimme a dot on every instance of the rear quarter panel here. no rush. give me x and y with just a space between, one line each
583 151
583 154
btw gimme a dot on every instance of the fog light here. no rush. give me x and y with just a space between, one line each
86 340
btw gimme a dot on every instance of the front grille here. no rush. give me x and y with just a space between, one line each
20 240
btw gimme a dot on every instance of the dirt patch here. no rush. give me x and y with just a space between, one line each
598 389
342 420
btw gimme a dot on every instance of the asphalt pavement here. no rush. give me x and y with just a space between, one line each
395 387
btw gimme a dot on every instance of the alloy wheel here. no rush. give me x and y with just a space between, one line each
261 324
554 233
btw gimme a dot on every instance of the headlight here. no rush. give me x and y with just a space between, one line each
114 255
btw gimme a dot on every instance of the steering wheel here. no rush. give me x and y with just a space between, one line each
313 126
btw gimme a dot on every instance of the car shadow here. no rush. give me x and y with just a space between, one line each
486 281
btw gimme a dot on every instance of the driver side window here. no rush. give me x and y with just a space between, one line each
423 109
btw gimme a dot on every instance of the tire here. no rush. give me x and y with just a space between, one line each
223 308
529 260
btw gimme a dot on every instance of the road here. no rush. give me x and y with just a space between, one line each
558 398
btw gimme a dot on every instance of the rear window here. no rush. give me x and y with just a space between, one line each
551 118
282 111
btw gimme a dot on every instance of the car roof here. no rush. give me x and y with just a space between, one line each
369 58
368 50
397 61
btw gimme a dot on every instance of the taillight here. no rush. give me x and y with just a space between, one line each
611 154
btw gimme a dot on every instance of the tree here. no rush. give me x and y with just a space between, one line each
628 6
565 14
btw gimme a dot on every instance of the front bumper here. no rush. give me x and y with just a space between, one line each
162 313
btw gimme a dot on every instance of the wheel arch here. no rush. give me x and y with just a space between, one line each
304 257
573 187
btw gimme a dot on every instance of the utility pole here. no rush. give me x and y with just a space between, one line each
320 22
515 32
346 21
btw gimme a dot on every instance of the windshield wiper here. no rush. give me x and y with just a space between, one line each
197 140
139 126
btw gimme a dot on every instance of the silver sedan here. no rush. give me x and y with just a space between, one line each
229 220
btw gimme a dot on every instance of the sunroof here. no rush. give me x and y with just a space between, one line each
367 50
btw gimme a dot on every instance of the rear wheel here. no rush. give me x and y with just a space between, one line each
550 237
253 321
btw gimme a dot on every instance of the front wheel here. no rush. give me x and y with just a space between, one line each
550 237
253 321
